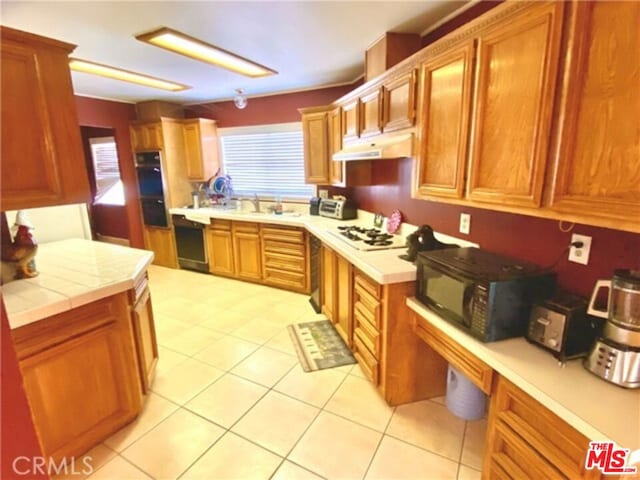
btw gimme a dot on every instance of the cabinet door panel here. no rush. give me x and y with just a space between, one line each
220 251
336 169
598 145
145 337
42 159
162 242
446 101
351 120
316 148
517 67
400 103
328 286
370 107
344 307
247 255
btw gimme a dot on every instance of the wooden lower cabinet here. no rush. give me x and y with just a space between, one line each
219 242
144 333
526 440
247 251
402 366
472 367
161 241
344 294
328 260
80 375
285 258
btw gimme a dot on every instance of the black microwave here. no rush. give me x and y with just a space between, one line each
487 295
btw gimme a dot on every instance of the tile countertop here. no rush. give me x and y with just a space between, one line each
597 409
383 266
72 273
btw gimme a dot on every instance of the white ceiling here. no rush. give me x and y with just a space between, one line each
310 43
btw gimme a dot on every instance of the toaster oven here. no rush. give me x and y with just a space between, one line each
340 209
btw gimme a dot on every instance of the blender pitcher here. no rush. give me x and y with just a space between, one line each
623 306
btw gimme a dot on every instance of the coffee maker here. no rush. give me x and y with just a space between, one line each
615 356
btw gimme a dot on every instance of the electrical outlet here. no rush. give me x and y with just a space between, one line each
465 223
323 193
580 255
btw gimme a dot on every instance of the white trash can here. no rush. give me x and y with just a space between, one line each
464 399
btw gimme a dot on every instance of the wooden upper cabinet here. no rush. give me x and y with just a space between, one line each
597 154
336 169
200 148
399 102
316 145
147 136
445 101
351 120
42 158
371 113
517 66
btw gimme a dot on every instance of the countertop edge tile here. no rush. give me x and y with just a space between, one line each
571 392
134 262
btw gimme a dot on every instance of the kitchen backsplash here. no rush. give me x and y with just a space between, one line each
529 238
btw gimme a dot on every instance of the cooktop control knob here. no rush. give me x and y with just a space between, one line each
552 342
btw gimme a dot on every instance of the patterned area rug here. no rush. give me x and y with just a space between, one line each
319 346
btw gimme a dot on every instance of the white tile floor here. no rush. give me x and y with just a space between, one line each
231 401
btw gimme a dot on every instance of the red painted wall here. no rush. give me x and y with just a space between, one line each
265 110
18 432
529 238
117 115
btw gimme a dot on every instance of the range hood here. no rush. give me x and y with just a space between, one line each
384 146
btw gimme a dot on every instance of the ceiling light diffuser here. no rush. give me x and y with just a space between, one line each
93 68
192 47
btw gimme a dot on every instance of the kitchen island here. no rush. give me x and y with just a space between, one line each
85 340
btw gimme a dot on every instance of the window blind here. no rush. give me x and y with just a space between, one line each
266 161
109 188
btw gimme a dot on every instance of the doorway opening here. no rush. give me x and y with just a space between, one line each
109 219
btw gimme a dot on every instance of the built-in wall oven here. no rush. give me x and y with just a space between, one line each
192 254
151 190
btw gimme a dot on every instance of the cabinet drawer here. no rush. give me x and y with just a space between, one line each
368 362
545 432
365 283
291 280
284 262
283 235
476 370
245 227
517 458
276 246
361 310
219 224
370 338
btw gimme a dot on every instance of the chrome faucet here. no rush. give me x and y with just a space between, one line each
255 201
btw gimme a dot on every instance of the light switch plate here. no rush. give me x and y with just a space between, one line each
465 223
323 193
580 255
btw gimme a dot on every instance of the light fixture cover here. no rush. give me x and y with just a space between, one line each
93 68
183 44
240 100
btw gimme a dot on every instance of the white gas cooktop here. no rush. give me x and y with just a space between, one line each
365 239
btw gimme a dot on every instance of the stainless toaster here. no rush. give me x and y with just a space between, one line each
561 326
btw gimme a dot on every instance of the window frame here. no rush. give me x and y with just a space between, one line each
265 129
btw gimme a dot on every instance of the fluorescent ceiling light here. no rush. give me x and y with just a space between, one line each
124 75
192 47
